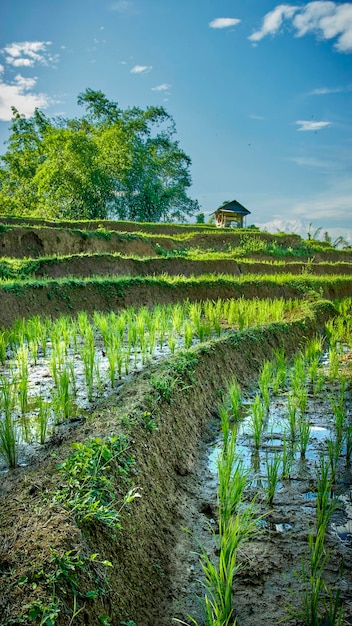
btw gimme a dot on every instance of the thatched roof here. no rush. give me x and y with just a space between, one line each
233 207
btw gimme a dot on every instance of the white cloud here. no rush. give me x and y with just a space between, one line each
322 91
162 87
326 19
28 53
309 125
141 69
224 22
313 162
123 6
17 94
273 21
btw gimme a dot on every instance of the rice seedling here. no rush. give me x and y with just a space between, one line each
298 375
177 317
8 429
304 429
264 383
337 404
256 423
273 465
87 353
334 363
171 341
325 506
22 377
334 448
235 398
287 458
278 379
43 418
62 401
348 439
111 353
4 340
301 395
188 334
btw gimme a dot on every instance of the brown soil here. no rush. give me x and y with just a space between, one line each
21 242
155 571
108 265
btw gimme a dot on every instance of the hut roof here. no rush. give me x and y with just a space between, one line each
233 207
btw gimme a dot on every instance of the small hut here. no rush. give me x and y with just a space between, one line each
231 214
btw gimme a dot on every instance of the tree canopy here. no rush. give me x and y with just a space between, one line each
110 163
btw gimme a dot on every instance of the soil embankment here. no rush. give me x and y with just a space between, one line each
150 580
54 298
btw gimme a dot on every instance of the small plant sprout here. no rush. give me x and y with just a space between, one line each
279 371
334 447
304 435
8 430
264 383
325 506
235 399
337 404
257 420
292 416
44 410
273 464
287 458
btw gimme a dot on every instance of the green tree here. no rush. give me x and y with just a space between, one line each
109 163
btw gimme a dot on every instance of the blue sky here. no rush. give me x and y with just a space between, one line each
261 92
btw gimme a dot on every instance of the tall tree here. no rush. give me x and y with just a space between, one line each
109 163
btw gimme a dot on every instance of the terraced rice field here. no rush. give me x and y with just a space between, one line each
176 429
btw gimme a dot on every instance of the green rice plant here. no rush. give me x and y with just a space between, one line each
319 383
313 349
188 334
171 340
273 465
264 383
22 377
256 423
337 403
4 341
43 418
87 353
348 439
313 370
112 349
278 378
312 586
298 375
8 429
304 429
62 401
334 448
334 363
177 318
301 395
287 458
235 399
325 506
